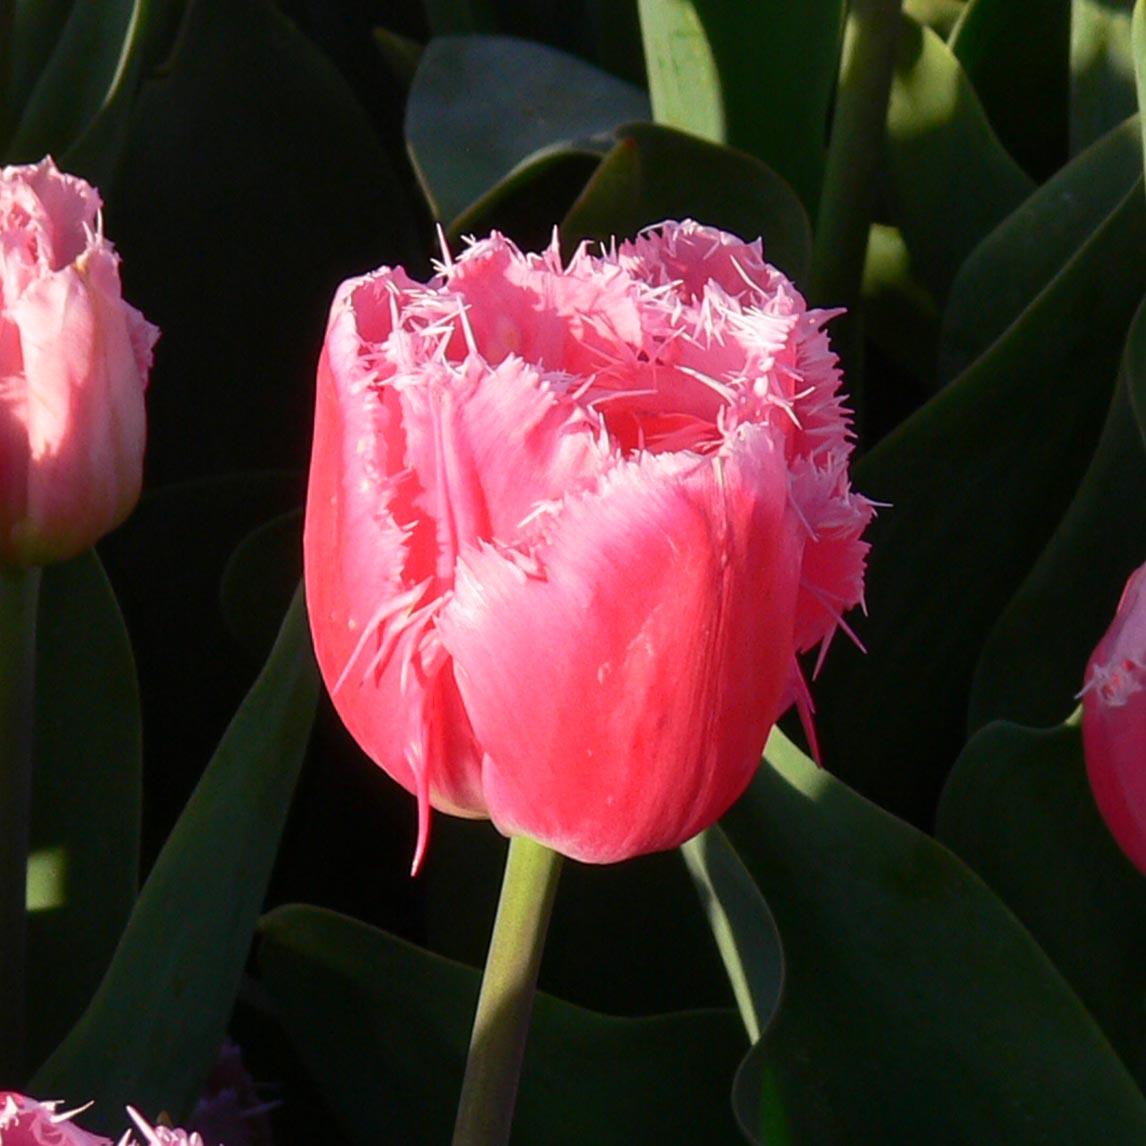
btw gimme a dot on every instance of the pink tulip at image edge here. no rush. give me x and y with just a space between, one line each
1114 721
74 360
569 525
26 1122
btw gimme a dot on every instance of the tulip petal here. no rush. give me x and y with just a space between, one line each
83 410
1114 722
657 630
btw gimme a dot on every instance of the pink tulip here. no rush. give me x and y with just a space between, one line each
74 359
157 1135
26 1122
568 527
1114 721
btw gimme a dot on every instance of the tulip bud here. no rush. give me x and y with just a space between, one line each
74 360
569 526
1114 721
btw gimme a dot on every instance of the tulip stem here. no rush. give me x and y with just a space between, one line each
19 594
501 1025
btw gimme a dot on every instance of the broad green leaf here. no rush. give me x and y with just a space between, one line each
640 919
506 99
154 1027
899 314
1101 67
96 151
916 1008
383 1027
1018 809
259 580
975 482
400 54
941 16
1033 662
1138 47
35 29
525 204
460 17
654 173
166 564
759 77
742 926
95 56
1022 77
684 81
251 184
937 134
84 869
1033 244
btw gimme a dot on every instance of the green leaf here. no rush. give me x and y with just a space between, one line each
1008 269
936 134
371 1015
684 81
1102 69
95 152
167 564
526 202
638 918
259 581
154 1027
459 17
940 16
976 482
654 173
915 1008
1138 48
35 29
1033 662
251 184
1022 79
84 863
506 99
899 315
759 77
742 926
1018 809
95 56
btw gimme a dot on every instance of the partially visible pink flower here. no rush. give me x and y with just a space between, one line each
568 527
157 1135
26 1122
1114 721
74 360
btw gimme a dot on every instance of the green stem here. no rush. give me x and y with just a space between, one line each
19 593
854 152
501 1026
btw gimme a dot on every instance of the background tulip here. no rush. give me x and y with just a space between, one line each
74 359
569 526
1114 721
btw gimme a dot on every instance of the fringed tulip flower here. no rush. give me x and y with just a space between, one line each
74 360
1114 721
26 1122
158 1135
568 527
